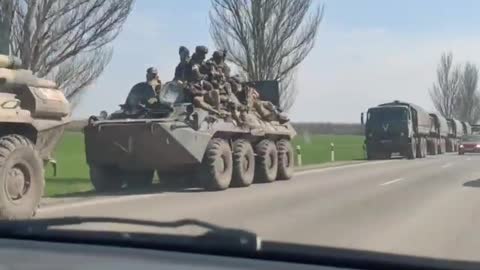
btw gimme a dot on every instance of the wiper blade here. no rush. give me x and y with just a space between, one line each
216 236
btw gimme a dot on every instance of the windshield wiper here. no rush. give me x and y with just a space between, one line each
216 237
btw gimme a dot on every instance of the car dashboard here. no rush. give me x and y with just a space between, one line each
24 254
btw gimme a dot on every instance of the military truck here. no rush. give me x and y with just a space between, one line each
397 127
33 113
454 134
438 134
179 140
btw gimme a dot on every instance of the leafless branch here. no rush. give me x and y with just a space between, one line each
468 98
445 91
266 39
65 40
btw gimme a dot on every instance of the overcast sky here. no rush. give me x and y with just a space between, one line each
367 52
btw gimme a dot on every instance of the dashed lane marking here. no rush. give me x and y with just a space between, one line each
392 181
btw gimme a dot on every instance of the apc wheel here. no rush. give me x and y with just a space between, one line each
412 150
139 179
105 178
217 165
243 164
266 163
285 160
21 178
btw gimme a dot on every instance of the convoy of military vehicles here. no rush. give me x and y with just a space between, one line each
407 129
179 140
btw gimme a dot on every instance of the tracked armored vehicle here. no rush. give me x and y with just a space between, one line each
179 140
33 113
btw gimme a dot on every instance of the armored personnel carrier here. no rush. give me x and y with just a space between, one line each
33 113
177 140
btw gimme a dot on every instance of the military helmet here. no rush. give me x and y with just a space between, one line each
202 50
183 49
218 54
152 70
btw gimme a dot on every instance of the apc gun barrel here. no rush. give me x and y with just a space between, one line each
25 77
9 62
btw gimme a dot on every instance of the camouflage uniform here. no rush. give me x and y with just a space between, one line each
265 109
181 69
203 93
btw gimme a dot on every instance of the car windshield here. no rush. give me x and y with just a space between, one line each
331 123
471 138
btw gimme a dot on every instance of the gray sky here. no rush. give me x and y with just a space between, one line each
367 52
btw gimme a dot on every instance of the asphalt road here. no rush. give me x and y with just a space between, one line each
428 207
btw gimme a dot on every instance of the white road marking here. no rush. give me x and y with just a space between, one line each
92 202
392 182
125 198
446 165
341 167
468 159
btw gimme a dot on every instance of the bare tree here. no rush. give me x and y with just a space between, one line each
67 40
266 39
446 89
6 16
468 101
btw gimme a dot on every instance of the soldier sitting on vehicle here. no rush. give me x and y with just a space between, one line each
202 91
181 69
265 109
145 93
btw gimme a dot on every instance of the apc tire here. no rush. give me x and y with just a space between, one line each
266 162
217 165
285 160
243 164
105 178
412 150
139 179
21 178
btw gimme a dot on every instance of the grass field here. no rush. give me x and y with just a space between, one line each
72 175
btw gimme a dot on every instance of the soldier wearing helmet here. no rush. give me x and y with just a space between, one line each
218 58
196 70
181 69
202 93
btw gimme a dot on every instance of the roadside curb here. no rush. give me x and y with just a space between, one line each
328 165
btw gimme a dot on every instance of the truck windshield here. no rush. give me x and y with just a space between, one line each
387 115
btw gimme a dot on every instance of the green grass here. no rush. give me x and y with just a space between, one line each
315 149
72 175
